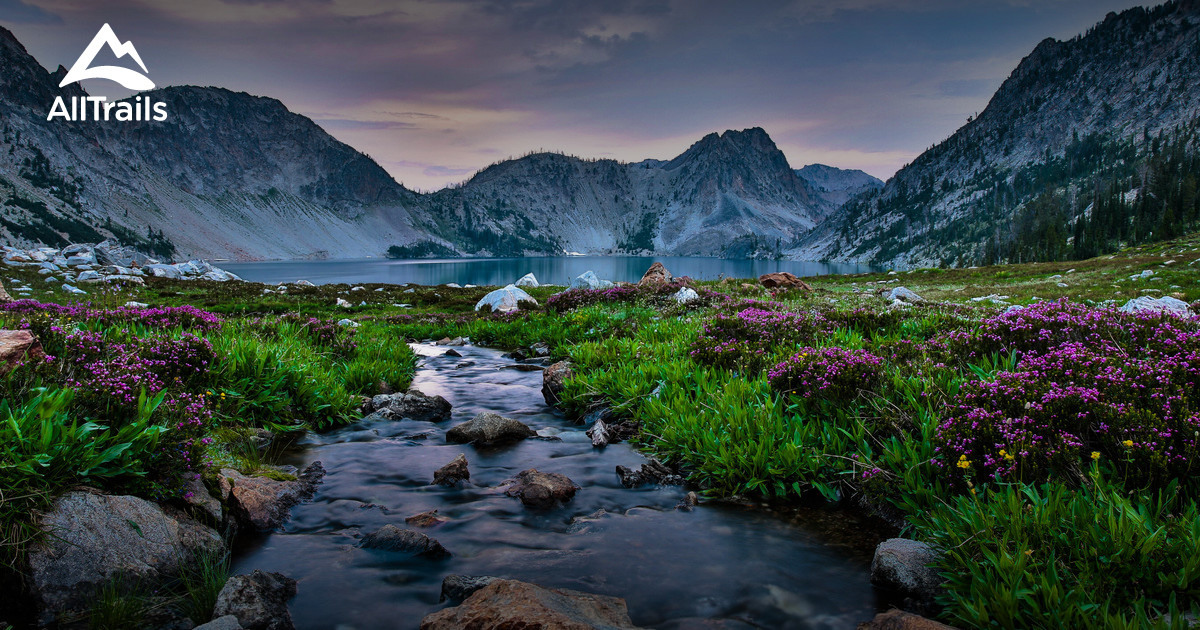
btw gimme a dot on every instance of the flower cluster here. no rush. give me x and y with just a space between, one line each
161 318
747 338
832 374
628 294
116 373
1091 384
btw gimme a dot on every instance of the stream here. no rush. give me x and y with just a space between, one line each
753 566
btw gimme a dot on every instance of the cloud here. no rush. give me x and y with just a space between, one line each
22 12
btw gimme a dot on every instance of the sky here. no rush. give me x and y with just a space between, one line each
435 90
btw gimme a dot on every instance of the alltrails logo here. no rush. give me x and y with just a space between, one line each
140 108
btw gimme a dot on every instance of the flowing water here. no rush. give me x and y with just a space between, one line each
765 569
501 271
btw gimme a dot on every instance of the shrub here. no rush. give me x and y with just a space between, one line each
1059 409
832 374
748 338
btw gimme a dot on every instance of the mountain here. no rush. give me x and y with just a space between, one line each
227 175
835 186
230 175
1076 127
731 194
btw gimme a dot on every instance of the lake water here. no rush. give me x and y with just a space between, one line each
501 271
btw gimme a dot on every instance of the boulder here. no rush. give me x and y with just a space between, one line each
196 495
599 434
1147 304
228 622
541 490
170 272
459 587
528 281
904 294
505 300
652 472
554 381
392 538
685 295
263 503
95 538
447 341
589 280
905 566
112 253
782 280
413 404
453 353
896 619
17 346
489 428
453 473
656 274
504 604
258 600
5 298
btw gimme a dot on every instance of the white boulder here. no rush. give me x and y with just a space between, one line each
504 300
589 280
528 280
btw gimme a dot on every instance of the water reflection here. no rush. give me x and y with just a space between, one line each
500 271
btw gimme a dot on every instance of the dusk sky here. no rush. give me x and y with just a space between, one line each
435 90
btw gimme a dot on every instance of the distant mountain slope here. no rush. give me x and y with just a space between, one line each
833 187
730 194
227 175
1073 117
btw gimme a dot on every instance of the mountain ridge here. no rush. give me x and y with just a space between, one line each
234 175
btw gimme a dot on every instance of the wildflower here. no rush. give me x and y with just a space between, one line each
963 462
1095 455
1127 443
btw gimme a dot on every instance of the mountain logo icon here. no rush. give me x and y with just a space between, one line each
130 79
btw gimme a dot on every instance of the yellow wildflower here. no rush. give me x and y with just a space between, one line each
1127 443
963 462
1095 455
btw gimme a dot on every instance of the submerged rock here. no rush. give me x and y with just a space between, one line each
896 619
783 280
258 601
541 490
413 404
505 300
459 587
652 472
512 604
489 428
656 274
453 473
95 538
392 538
263 503
554 382
426 519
